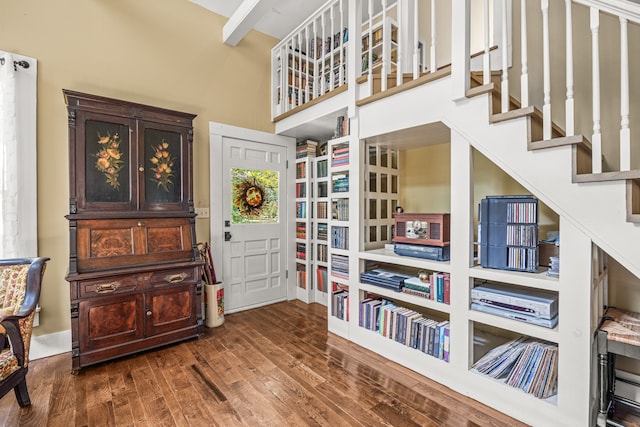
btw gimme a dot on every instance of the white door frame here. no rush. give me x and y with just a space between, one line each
218 131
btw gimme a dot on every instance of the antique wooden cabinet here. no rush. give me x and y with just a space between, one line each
134 266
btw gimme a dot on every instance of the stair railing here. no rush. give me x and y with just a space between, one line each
595 85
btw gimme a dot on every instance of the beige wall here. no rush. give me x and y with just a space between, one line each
165 53
425 183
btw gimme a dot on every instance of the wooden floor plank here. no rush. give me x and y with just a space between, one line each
275 365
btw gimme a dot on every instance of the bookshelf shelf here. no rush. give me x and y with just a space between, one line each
410 299
504 388
548 334
538 280
389 257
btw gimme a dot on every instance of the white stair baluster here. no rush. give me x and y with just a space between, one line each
625 131
341 72
316 84
300 70
416 42
432 51
504 88
386 45
569 103
323 85
524 77
332 17
370 53
596 139
546 107
400 45
486 60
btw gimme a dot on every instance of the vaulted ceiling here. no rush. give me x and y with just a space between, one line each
274 17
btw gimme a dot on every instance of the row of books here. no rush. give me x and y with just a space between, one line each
340 237
301 189
301 250
301 230
340 182
322 210
301 170
321 279
322 231
406 326
301 209
340 209
306 148
301 276
525 363
340 266
322 189
342 127
323 253
340 304
322 168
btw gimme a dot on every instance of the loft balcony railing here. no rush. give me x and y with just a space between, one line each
568 59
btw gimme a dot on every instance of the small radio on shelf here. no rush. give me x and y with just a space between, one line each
430 229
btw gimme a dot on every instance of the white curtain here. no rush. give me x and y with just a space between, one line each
8 159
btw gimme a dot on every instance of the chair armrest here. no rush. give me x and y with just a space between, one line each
15 339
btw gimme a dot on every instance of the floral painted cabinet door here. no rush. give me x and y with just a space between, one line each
104 158
163 171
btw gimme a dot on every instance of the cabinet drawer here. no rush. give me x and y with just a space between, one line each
175 276
109 286
104 244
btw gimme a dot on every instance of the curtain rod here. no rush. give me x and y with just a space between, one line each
24 64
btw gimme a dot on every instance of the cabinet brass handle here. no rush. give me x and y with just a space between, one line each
175 278
107 288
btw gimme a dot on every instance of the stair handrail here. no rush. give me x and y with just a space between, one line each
622 8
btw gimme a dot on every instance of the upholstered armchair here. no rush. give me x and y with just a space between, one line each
20 282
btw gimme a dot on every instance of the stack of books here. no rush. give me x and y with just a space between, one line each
340 266
306 148
340 155
384 278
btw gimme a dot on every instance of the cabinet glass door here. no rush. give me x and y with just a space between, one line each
163 174
104 159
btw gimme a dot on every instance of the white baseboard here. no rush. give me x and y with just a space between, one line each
50 344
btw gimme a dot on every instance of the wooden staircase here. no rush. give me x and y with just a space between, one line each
581 162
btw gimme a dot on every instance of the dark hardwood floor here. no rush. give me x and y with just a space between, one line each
271 366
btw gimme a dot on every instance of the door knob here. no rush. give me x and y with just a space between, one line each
227 236
149 313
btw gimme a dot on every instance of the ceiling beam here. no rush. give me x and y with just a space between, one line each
244 19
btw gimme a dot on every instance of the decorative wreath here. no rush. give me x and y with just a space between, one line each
250 196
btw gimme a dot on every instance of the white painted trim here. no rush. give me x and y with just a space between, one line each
50 344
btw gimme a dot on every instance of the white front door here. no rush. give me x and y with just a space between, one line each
254 222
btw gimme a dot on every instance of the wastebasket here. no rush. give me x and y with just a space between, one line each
214 304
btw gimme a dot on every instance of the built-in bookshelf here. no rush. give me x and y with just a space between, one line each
320 223
340 233
305 273
380 46
436 295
